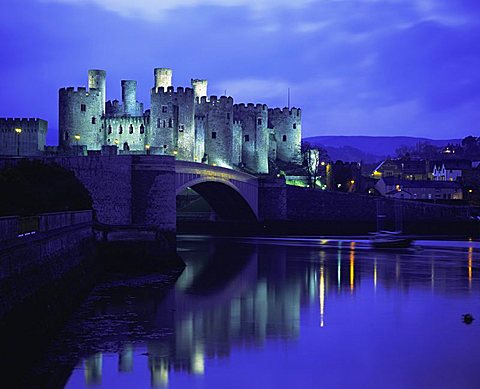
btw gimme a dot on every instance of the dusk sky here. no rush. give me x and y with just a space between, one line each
355 67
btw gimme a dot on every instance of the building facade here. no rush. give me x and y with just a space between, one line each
184 122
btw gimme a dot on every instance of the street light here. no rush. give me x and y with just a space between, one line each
18 131
147 147
77 138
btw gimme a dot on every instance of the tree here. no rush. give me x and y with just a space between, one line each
312 157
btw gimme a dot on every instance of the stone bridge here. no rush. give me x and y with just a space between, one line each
142 189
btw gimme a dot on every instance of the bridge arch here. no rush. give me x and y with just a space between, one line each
232 195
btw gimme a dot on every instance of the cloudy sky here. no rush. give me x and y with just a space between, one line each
356 67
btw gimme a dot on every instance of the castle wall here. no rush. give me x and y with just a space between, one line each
218 130
287 125
199 138
29 142
80 113
127 133
172 117
255 135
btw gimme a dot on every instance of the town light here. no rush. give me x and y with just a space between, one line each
147 147
77 137
352 182
116 142
322 163
18 131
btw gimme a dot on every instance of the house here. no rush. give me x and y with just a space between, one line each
419 189
449 169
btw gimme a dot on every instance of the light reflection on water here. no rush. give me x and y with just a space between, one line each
291 313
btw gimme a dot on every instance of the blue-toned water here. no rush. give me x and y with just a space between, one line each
286 313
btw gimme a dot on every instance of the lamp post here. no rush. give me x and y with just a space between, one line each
18 131
77 138
147 148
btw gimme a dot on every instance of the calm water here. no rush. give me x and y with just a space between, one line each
286 313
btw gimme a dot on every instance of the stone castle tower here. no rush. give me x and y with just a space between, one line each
184 122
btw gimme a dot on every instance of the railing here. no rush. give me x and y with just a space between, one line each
12 227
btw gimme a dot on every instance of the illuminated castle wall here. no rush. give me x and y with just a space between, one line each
184 122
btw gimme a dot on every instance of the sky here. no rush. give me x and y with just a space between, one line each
355 67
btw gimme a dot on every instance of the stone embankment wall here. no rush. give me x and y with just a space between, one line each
306 210
36 252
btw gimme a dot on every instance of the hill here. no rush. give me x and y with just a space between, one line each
369 148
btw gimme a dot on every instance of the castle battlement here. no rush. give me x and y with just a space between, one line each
79 91
214 100
285 111
126 120
21 120
171 91
250 107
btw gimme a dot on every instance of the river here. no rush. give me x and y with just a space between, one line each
284 313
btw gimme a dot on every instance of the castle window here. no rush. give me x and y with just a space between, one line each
94 119
164 124
164 108
120 129
284 138
259 121
142 129
83 107
109 129
181 127
228 115
170 123
130 129
247 138
214 135
294 126
66 136
158 123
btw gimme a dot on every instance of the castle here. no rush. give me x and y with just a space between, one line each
184 122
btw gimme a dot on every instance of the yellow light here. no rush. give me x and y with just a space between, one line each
115 141
352 266
18 130
77 137
147 146
470 190
470 260
321 293
352 182
322 163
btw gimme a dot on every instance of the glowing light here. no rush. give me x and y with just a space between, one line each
375 274
470 190
18 130
147 146
198 363
352 266
470 260
115 141
322 296
352 182
322 163
77 137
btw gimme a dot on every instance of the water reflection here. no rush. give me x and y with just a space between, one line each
242 295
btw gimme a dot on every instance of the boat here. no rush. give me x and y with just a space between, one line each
390 239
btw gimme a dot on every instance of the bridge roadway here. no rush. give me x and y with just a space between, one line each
142 189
